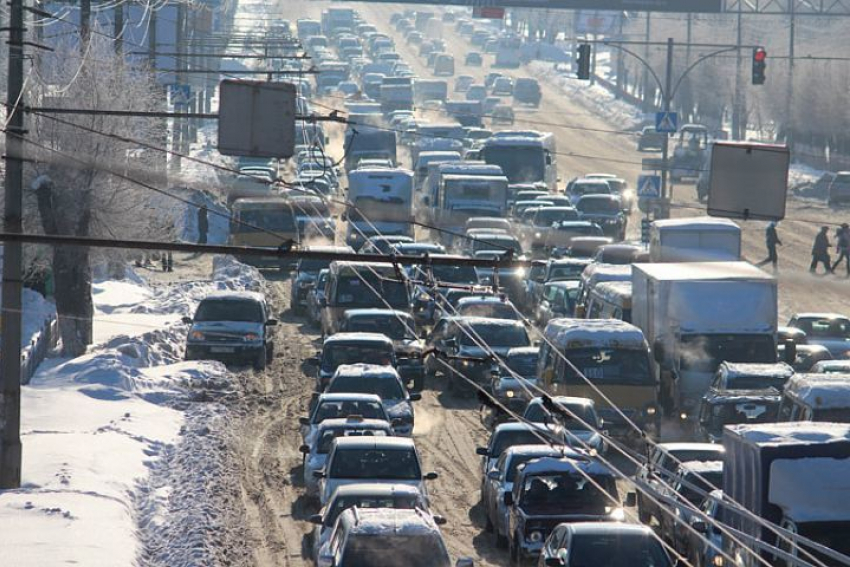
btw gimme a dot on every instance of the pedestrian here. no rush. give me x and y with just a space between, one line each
842 246
203 225
771 241
820 251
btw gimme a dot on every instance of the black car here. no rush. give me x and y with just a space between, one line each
474 59
304 277
606 211
732 407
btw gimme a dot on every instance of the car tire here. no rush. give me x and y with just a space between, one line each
501 541
488 525
261 359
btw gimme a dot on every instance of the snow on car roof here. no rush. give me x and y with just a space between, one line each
389 521
521 426
821 391
698 223
553 465
375 489
375 312
389 443
775 370
474 320
543 451
792 433
676 447
482 299
600 528
576 333
519 351
565 401
701 467
348 397
819 316
358 338
360 369
702 271
236 296
353 423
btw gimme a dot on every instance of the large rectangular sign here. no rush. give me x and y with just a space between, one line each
685 6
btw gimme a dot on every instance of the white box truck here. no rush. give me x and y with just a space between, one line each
385 197
695 315
697 239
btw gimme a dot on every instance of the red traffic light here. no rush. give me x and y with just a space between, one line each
759 54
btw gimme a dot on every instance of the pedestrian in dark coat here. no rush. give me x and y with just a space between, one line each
820 251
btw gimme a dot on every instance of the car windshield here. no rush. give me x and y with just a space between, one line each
536 413
491 242
335 355
385 387
704 353
453 274
568 272
825 328
313 266
255 220
229 310
335 409
328 436
563 493
617 550
706 482
523 364
505 439
379 464
733 413
370 290
519 164
601 206
392 550
591 189
609 366
496 335
755 382
397 328
342 503
490 309
550 215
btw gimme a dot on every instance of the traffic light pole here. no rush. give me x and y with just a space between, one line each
667 195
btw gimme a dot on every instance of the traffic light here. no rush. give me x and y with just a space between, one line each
759 65
583 61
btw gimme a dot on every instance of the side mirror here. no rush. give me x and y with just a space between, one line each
318 474
699 526
315 519
439 520
509 498
304 449
187 320
659 351
312 361
414 396
631 500
482 451
271 323
430 476
304 420
493 474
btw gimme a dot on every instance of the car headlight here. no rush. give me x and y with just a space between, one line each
617 515
535 537
252 337
509 394
628 194
196 336
538 235
650 411
465 363
683 416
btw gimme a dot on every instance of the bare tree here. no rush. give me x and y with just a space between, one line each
75 189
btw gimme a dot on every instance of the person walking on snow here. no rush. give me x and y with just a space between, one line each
820 251
771 241
842 246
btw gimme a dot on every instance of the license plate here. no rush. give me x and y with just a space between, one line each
222 349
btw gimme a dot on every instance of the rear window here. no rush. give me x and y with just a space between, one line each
507 439
329 435
496 335
383 464
229 310
427 550
387 388
367 410
335 355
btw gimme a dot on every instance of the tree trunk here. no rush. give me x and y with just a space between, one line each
74 306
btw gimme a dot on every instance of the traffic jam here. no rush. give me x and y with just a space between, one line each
640 400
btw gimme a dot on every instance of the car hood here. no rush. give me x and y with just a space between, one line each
398 408
408 346
478 352
228 327
838 348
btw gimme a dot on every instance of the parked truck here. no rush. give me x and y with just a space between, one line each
695 315
701 239
796 476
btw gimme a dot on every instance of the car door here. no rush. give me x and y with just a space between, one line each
435 342
492 483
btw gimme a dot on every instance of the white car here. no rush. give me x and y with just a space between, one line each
316 452
388 460
331 406
363 496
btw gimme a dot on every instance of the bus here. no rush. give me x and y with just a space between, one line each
526 157
266 222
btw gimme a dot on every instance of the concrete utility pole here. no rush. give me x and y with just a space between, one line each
736 108
10 328
179 133
85 23
118 27
646 91
668 98
789 113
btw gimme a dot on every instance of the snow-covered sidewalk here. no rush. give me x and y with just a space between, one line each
118 453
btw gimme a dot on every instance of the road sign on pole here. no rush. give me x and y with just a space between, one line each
667 122
488 12
180 95
649 186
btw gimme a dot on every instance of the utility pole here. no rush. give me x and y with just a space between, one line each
118 28
665 150
648 99
621 85
789 113
179 134
10 328
85 23
736 108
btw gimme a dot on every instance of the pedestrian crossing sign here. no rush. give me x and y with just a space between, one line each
666 122
649 186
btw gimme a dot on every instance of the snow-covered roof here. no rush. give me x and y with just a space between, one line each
821 391
811 489
792 433
468 320
519 351
677 447
354 423
614 291
389 521
543 451
552 465
376 312
375 489
702 467
576 333
698 223
360 369
475 299
775 370
328 248
608 272
567 401
701 271
348 397
357 338
389 443
521 426
236 296
766 395
819 316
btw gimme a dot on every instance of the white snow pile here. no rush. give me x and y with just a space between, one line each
37 313
595 97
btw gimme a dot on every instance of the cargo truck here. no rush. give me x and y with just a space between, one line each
796 476
696 315
700 239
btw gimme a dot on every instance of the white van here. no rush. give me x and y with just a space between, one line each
385 196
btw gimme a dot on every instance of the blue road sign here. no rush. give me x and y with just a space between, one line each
180 94
666 122
649 186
